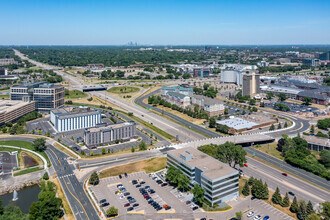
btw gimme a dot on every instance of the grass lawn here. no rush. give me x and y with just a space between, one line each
26 145
149 166
123 89
31 170
270 149
76 94
4 96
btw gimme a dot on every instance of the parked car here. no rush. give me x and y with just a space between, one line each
120 176
127 194
134 182
125 174
119 186
151 191
266 217
117 192
103 201
159 181
194 208
105 204
129 197
126 205
168 208
138 185
147 187
123 189
291 193
188 202
257 217
122 197
250 214
284 174
164 206
132 200
142 182
136 205
164 184
130 209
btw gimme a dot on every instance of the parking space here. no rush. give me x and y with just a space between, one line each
264 209
295 108
139 185
8 163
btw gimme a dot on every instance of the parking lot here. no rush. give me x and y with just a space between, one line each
9 162
296 108
163 195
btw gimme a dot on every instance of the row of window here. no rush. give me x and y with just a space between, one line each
219 181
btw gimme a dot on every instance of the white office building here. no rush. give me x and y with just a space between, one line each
68 119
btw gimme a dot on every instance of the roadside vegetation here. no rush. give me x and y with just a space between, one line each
74 94
123 89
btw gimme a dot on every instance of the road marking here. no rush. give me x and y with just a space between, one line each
55 156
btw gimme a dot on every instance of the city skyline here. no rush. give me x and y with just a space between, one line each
165 23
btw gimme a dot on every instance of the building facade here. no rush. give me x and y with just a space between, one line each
179 89
181 100
219 181
202 72
231 76
11 111
68 119
46 96
317 143
251 84
3 72
213 107
109 134
325 56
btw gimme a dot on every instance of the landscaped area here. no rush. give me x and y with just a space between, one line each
122 90
270 149
74 94
149 166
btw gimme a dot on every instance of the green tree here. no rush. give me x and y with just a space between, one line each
94 179
142 146
325 158
246 189
12 212
277 198
45 176
183 181
212 122
198 192
252 101
4 130
325 210
103 151
239 215
243 112
39 144
286 201
272 127
309 208
1 208
323 123
132 149
313 216
265 192
307 100
9 124
294 206
281 96
251 181
112 211
257 189
269 95
285 125
302 212
312 129
226 111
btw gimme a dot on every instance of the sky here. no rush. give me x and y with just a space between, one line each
159 22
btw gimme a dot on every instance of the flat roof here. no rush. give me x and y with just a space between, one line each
208 100
211 167
177 94
97 129
177 87
237 123
11 105
37 85
68 112
316 140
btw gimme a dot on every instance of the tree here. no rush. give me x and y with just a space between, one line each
279 126
313 216
198 192
9 124
252 101
212 122
251 181
309 208
94 179
45 176
277 198
294 206
246 189
325 158
239 215
281 96
269 95
323 123
132 149
325 210
243 112
307 100
265 192
260 190
312 129
1 208
13 212
272 127
142 146
103 150
112 211
285 125
4 130
183 181
302 212
39 144
286 201
226 111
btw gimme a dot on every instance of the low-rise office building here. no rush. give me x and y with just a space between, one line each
69 118
213 107
108 134
317 143
12 110
47 96
219 180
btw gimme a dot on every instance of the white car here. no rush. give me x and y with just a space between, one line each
122 197
250 214
257 217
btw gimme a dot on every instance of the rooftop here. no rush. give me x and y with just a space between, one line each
112 126
211 167
237 123
180 88
176 94
68 112
10 105
316 140
208 100
37 85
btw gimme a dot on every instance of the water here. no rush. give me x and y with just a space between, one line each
26 197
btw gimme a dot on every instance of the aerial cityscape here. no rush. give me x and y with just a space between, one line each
165 110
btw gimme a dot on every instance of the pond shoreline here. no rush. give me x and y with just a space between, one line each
19 186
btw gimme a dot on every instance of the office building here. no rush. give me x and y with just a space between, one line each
219 180
202 72
178 99
108 134
213 107
3 72
69 118
46 96
310 62
179 89
263 64
11 111
251 84
231 76
325 56
317 143
7 61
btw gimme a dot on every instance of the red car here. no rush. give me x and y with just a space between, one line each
127 204
145 196
284 174
245 164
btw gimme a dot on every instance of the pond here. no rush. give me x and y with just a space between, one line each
26 197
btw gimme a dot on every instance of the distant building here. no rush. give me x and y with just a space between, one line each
69 118
251 84
178 99
202 72
219 180
325 56
179 89
277 89
311 62
213 107
46 96
3 72
11 111
109 134
7 61
231 76
317 143
263 64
